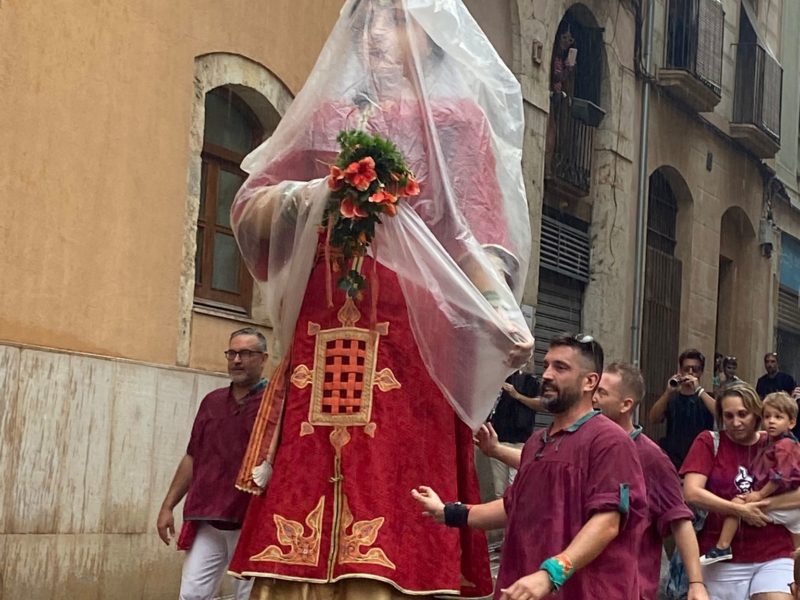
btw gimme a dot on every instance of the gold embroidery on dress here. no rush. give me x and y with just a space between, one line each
304 550
362 533
344 374
339 438
302 376
386 381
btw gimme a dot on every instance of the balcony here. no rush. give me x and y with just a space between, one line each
756 122
568 161
692 72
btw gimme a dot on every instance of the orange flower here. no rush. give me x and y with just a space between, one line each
390 209
335 181
411 188
383 197
351 210
360 174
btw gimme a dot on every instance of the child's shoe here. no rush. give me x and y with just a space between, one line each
716 555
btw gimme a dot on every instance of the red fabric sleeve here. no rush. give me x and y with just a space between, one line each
472 167
665 495
782 460
614 466
700 458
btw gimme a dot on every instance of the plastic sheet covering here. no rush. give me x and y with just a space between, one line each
423 74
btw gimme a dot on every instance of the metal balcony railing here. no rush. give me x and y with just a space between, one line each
757 97
571 162
694 40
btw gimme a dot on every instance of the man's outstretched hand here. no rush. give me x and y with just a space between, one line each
530 587
432 505
486 440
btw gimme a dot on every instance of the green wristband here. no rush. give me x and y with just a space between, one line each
559 569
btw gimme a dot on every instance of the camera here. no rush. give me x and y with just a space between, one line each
675 381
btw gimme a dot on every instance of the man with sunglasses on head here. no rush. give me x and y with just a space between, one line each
686 406
214 508
576 510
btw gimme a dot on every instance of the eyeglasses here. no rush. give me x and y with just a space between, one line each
243 354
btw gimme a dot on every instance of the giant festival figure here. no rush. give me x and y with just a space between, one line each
393 352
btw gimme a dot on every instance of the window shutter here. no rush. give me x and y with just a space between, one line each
564 249
788 310
710 28
771 99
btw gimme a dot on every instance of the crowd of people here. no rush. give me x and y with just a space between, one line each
587 496
397 171
735 500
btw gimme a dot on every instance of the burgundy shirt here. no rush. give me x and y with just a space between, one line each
220 435
729 474
778 462
563 480
665 505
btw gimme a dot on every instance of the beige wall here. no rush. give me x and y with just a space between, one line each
733 184
94 161
611 204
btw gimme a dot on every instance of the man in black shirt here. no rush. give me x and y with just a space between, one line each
513 419
776 381
686 406
773 380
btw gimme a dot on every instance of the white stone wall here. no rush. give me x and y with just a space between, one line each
88 447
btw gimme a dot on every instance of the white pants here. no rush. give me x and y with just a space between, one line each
741 581
206 563
502 474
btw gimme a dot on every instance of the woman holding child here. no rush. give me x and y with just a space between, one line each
729 474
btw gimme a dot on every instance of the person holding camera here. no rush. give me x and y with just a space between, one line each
686 406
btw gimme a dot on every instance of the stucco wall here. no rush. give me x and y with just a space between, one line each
93 168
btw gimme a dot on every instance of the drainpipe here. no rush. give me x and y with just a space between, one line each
641 211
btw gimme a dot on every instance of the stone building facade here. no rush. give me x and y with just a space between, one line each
123 126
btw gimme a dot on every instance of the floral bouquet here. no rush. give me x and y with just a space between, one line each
366 182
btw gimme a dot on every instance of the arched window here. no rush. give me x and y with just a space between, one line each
231 131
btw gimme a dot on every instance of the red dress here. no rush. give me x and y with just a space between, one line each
363 424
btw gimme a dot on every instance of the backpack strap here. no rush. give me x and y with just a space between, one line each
715 439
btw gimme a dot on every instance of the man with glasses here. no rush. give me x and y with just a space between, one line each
686 406
576 510
214 508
